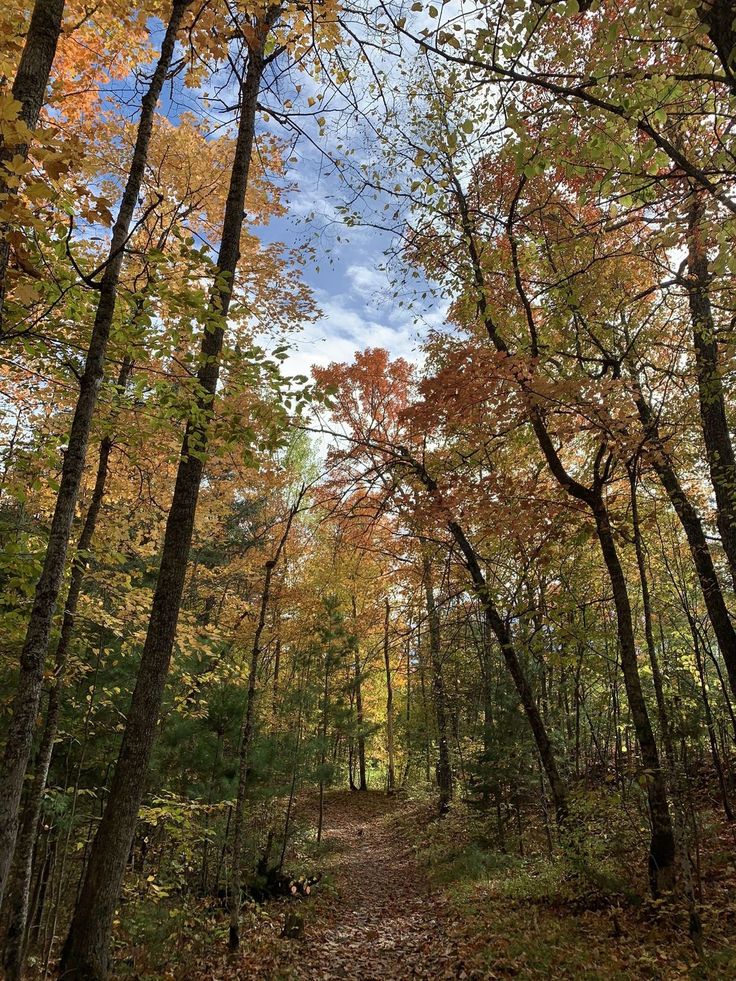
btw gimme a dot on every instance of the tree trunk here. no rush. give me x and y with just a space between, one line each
444 768
505 640
18 897
389 703
246 733
662 843
690 520
362 781
25 705
29 88
526 696
664 723
425 713
323 742
711 398
408 759
303 687
712 737
487 700
86 950
717 15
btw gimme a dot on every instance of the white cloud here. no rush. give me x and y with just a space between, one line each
367 281
345 328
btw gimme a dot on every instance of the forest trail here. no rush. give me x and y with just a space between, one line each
378 917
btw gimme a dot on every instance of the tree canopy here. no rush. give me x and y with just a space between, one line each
455 628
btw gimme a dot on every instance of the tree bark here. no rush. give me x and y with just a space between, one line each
711 397
662 843
487 702
444 767
528 702
389 703
246 734
408 758
360 719
323 739
29 88
359 716
712 737
303 687
664 723
25 705
692 525
502 633
18 898
85 953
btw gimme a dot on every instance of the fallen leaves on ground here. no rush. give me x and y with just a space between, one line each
379 918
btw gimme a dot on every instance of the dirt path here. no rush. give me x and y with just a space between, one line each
378 919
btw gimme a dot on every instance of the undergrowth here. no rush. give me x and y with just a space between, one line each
576 910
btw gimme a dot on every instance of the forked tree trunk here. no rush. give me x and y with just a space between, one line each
661 860
29 88
25 704
85 953
662 843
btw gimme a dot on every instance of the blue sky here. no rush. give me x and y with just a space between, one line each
347 277
350 283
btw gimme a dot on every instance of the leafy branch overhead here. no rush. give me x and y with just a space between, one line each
367 489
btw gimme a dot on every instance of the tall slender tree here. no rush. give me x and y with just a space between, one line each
33 656
246 731
19 896
85 954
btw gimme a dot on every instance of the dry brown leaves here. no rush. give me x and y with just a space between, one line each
381 921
